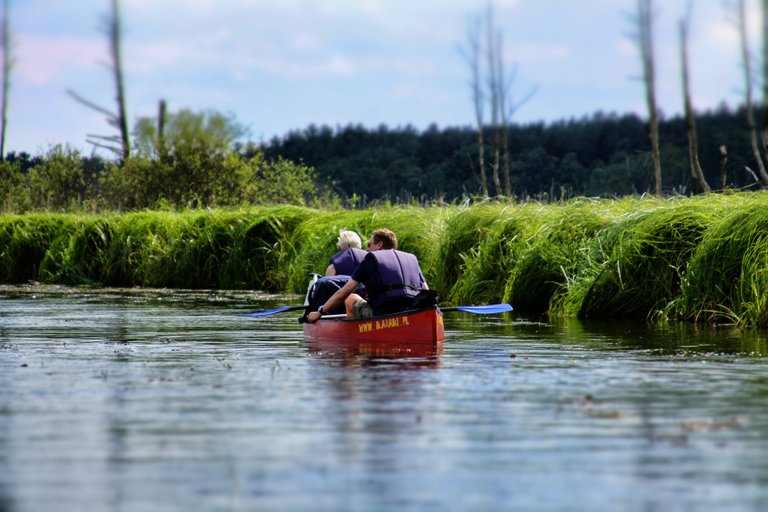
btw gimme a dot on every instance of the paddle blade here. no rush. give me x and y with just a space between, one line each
490 309
274 311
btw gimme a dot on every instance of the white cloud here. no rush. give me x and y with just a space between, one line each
723 32
44 60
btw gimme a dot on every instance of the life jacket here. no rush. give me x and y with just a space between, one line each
345 262
398 276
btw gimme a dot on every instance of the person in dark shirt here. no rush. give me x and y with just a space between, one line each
392 279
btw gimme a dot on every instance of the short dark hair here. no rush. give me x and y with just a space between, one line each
386 237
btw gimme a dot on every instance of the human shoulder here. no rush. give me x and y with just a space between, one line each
365 268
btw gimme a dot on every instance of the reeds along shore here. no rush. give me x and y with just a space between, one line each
702 259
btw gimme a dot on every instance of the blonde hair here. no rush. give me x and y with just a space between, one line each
348 239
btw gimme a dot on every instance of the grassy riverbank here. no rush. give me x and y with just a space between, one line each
703 258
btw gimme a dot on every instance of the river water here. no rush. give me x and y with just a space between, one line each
155 400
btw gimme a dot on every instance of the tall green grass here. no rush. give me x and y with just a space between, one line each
550 252
697 259
192 249
632 268
24 243
464 229
262 251
486 264
725 280
78 255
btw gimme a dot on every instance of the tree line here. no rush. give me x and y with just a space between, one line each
197 162
604 154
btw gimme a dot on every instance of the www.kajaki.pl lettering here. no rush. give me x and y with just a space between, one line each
384 323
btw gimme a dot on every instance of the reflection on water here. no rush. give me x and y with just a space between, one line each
168 400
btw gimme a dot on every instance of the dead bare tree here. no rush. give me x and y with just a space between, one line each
119 144
723 166
764 130
494 91
645 42
115 38
7 67
507 108
698 181
473 54
746 58
498 84
162 114
505 114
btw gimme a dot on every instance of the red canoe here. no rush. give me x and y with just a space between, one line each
415 333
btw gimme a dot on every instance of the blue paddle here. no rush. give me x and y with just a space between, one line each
490 309
274 311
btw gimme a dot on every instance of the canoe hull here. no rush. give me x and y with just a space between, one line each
418 333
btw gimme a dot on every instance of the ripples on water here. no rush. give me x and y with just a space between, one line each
168 400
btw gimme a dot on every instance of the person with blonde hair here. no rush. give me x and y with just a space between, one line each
348 256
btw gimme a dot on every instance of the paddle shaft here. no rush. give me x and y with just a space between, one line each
490 309
275 311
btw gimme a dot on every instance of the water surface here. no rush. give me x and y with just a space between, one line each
169 401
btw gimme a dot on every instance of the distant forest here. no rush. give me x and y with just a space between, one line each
602 155
198 164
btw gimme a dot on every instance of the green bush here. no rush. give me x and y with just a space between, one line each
14 194
58 183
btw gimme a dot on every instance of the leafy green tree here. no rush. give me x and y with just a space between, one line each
14 195
193 156
196 161
133 185
625 174
58 182
188 132
572 175
534 171
280 182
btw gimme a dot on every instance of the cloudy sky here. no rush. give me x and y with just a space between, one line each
281 65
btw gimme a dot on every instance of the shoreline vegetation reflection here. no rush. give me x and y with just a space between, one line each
670 338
